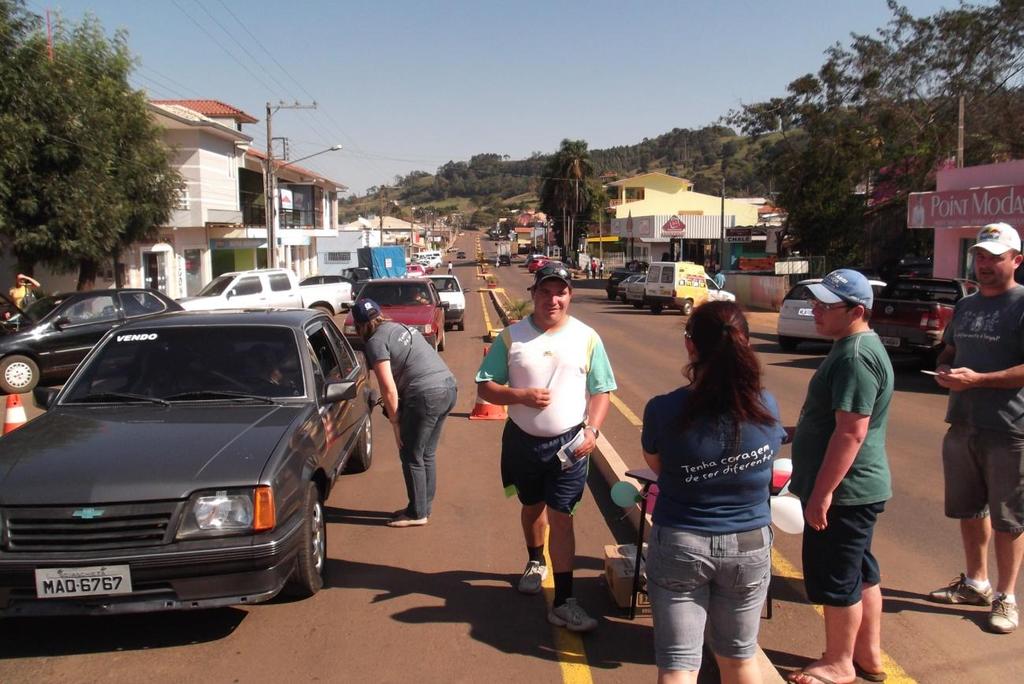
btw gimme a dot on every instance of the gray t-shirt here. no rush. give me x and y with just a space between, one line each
414 363
988 333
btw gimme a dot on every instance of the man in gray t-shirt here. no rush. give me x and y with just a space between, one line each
418 392
983 450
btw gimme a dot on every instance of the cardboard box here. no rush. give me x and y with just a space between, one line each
619 563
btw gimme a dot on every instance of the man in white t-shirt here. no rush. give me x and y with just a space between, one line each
552 371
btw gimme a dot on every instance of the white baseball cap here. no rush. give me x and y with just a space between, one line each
996 238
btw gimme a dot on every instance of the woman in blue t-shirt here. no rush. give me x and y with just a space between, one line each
711 443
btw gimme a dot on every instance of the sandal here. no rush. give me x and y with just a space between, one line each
867 675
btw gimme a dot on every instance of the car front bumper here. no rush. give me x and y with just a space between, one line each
240 570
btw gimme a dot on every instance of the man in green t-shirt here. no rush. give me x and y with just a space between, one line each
841 474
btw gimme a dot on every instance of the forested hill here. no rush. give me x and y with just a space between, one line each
489 179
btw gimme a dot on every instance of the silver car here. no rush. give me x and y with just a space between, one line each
796 320
634 287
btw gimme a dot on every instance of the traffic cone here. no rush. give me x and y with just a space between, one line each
14 415
485 410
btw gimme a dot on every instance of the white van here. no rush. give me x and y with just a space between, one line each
677 285
431 258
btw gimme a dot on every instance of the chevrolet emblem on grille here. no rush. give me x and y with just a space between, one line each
88 513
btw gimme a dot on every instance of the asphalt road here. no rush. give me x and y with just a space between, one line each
436 604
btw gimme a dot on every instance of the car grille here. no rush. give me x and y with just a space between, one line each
92 527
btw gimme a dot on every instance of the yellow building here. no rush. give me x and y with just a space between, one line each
658 214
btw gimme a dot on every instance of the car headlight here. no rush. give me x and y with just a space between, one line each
350 330
226 512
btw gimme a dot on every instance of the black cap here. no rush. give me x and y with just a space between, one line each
552 270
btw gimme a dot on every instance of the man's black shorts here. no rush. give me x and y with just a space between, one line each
531 469
837 560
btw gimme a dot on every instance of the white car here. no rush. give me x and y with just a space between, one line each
718 294
796 320
634 290
450 290
268 288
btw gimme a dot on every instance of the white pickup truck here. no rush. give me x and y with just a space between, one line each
268 288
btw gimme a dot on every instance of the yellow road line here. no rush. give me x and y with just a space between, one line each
624 410
487 317
572 656
781 567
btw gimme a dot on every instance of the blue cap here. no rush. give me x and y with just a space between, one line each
844 285
365 310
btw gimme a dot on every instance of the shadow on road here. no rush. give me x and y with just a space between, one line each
351 516
43 637
899 601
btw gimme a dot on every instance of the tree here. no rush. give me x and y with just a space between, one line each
880 117
92 175
565 193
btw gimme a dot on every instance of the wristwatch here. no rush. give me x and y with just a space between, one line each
597 433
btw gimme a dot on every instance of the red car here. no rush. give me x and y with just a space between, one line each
411 301
536 262
415 270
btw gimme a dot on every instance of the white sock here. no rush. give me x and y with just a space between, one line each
978 584
1009 598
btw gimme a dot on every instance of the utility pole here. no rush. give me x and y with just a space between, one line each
270 184
383 196
721 247
960 137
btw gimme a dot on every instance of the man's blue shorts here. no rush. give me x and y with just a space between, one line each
531 469
837 560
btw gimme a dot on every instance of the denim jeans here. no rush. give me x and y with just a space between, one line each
695 579
421 417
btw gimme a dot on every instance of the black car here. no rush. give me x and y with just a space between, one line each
184 465
47 340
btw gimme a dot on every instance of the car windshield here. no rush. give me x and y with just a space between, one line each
41 308
397 294
193 363
216 286
446 285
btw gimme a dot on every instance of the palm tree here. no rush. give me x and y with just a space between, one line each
565 192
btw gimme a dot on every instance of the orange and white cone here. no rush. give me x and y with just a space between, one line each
14 415
485 410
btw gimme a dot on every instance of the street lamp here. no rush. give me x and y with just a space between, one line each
272 203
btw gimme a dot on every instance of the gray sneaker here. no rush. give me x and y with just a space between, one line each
1003 618
572 616
533 577
959 591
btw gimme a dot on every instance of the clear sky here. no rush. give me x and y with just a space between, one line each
412 84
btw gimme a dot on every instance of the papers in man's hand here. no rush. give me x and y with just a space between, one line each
567 454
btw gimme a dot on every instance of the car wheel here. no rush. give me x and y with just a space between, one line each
462 325
687 307
308 576
362 457
440 341
656 309
18 374
788 343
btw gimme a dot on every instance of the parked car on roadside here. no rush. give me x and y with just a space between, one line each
718 294
414 270
910 314
46 341
411 301
618 275
796 320
633 288
460 254
268 288
450 290
620 289
185 465
535 261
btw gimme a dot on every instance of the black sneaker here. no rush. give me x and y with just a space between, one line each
959 591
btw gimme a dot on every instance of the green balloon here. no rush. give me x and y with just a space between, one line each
625 494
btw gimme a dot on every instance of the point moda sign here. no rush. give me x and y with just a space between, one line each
966 208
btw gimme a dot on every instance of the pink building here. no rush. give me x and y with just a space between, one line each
964 200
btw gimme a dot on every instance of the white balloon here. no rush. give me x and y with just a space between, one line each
783 465
787 514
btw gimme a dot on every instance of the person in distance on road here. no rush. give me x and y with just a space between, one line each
712 443
552 372
983 453
841 474
418 392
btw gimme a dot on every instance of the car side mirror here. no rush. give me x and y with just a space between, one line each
229 294
44 396
339 391
60 322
